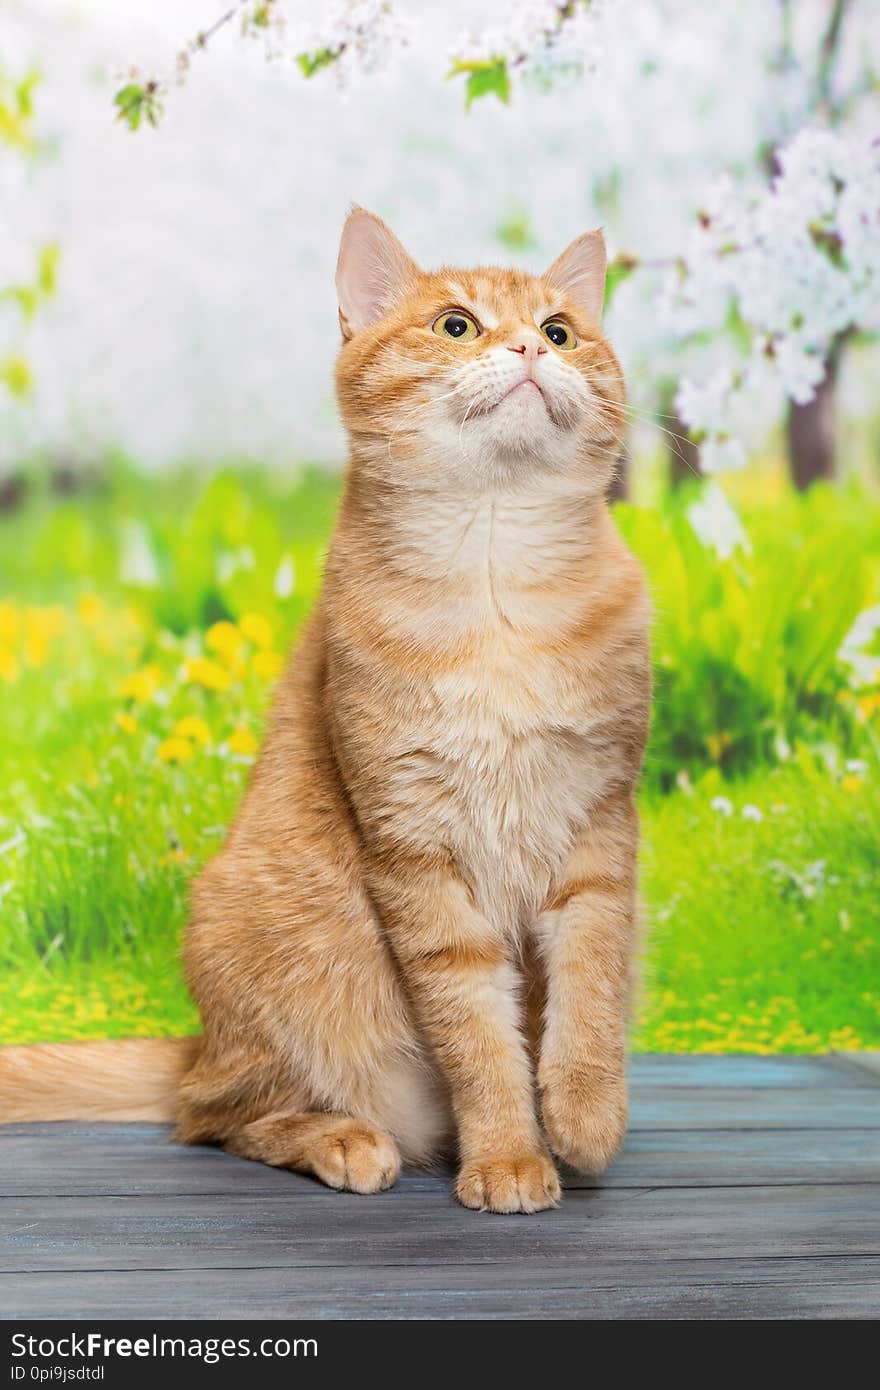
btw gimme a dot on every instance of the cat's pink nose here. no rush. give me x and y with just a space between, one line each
530 345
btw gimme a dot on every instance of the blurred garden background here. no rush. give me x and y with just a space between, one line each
170 458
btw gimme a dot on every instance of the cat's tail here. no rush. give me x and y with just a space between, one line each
131 1079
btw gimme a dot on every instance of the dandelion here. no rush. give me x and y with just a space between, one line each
200 670
867 706
752 813
717 743
722 805
268 665
257 629
142 685
224 639
126 722
36 650
851 783
90 609
856 765
193 728
175 750
242 741
9 622
9 667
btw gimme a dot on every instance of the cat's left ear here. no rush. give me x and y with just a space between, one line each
372 271
580 273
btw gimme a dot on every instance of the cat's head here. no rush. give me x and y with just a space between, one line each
475 377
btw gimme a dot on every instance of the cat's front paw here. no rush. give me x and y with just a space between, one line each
585 1114
525 1182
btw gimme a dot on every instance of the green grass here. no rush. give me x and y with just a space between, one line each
142 604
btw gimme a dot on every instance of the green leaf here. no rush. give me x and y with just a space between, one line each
828 241
24 94
25 296
515 232
136 102
486 77
620 269
16 375
737 327
47 268
310 63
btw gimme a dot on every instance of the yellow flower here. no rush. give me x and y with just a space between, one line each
193 728
268 665
851 783
717 743
256 629
35 650
9 667
90 609
242 741
175 750
143 684
867 705
126 722
201 670
9 622
224 639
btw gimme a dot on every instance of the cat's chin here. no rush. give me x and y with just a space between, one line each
520 431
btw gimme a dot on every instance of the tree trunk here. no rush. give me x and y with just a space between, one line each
811 430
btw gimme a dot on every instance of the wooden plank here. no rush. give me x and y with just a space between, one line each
667 1108
863 1061
65 1160
733 1288
741 1107
428 1228
729 1069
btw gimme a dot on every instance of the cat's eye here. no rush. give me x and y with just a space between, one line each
559 333
456 324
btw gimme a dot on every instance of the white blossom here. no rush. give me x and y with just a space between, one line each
541 39
285 577
753 813
716 523
138 562
361 35
796 262
722 805
855 649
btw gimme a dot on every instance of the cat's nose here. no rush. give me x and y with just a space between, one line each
529 345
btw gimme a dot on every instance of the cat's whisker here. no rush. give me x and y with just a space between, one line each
646 417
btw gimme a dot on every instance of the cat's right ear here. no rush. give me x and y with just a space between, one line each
372 271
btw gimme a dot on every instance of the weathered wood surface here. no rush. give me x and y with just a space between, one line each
748 1187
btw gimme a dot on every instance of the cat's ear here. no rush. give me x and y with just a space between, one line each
580 273
372 271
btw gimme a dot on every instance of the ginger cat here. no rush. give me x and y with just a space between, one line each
420 929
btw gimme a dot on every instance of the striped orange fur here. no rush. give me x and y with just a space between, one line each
418 936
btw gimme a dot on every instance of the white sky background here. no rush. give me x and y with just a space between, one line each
196 312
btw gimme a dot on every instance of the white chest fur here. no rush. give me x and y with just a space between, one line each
511 749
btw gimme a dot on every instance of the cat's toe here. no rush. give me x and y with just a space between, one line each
357 1158
525 1183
